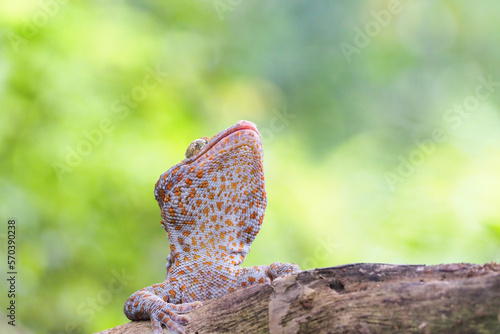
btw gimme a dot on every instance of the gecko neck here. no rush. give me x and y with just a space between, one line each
180 259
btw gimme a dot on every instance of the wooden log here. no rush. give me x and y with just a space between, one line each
357 298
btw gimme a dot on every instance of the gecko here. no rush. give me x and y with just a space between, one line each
212 206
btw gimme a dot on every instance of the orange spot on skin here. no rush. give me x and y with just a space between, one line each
199 174
161 193
261 280
219 205
186 233
172 293
251 279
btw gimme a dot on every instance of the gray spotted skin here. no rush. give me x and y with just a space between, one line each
212 204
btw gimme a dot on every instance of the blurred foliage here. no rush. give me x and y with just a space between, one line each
347 94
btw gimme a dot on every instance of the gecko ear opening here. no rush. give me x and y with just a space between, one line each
195 146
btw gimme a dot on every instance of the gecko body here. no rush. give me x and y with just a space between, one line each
212 205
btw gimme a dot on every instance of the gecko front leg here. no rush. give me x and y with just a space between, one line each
153 303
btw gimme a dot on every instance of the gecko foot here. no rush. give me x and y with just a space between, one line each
278 269
169 316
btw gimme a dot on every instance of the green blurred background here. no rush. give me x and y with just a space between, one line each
380 122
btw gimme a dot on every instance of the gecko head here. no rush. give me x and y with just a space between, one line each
215 198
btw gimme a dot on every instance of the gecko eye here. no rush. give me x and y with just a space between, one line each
195 147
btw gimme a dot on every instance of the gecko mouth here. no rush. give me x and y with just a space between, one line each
240 126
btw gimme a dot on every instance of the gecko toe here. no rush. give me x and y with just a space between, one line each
186 307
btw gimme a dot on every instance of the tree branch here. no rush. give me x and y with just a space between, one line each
357 298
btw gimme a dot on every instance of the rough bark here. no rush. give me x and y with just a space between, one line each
357 298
